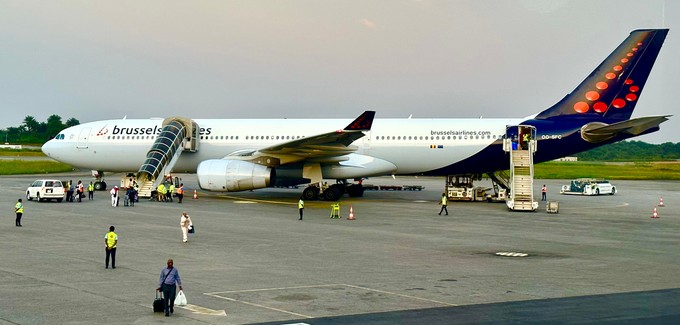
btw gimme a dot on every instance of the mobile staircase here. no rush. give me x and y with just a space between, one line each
520 142
177 135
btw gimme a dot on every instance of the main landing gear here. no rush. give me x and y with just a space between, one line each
333 192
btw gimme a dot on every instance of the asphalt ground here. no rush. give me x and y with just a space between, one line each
599 260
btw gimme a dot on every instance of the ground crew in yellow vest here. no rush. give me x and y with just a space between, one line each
111 241
19 209
90 191
301 207
161 192
444 201
171 191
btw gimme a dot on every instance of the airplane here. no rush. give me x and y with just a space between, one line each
230 155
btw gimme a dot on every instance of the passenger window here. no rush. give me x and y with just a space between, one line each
49 183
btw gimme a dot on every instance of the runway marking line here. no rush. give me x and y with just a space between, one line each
202 310
218 295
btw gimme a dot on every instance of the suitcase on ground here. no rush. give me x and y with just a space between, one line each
191 229
158 303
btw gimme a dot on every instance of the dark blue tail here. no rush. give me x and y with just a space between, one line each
612 90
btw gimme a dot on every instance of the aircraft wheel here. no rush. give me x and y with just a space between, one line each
100 186
355 190
311 193
332 194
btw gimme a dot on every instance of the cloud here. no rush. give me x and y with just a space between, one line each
367 23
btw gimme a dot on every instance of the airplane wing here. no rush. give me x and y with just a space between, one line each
328 146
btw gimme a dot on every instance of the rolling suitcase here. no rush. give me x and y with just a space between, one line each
158 303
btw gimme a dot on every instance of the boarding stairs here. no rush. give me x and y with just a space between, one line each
500 180
177 135
521 181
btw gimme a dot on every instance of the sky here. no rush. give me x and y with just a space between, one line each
95 60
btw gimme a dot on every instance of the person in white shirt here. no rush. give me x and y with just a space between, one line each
114 196
184 224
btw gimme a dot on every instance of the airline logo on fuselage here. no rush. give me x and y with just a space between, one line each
155 130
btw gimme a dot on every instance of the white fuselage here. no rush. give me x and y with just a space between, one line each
412 145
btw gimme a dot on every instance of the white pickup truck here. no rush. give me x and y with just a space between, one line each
588 186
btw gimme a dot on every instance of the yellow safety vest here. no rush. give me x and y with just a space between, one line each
19 207
444 199
301 204
90 187
111 239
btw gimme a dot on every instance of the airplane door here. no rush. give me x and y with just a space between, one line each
82 138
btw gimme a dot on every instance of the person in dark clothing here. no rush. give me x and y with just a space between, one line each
167 283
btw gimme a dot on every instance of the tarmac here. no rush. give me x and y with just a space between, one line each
600 260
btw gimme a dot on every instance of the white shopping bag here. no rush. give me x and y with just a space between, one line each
181 299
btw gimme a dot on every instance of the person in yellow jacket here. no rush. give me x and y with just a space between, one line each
444 202
171 191
301 207
90 191
19 209
161 192
111 241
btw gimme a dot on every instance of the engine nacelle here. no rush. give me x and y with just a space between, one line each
222 175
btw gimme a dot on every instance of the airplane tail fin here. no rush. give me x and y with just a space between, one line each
612 90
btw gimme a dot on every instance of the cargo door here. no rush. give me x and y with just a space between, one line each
82 138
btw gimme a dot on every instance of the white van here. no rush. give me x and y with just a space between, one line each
46 189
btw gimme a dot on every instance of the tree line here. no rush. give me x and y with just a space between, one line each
33 132
632 151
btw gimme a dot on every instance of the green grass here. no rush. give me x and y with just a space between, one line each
547 170
16 167
631 171
21 152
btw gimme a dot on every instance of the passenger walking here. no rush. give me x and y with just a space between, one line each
301 207
80 191
132 196
167 284
114 196
19 209
111 241
126 197
184 224
444 202
180 193
90 191
544 193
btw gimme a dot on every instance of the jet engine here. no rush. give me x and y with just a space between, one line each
223 175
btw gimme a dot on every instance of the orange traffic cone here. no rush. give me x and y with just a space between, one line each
195 194
351 214
661 202
654 214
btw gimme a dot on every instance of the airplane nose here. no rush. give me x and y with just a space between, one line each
48 148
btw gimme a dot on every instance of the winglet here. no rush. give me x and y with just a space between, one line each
362 123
